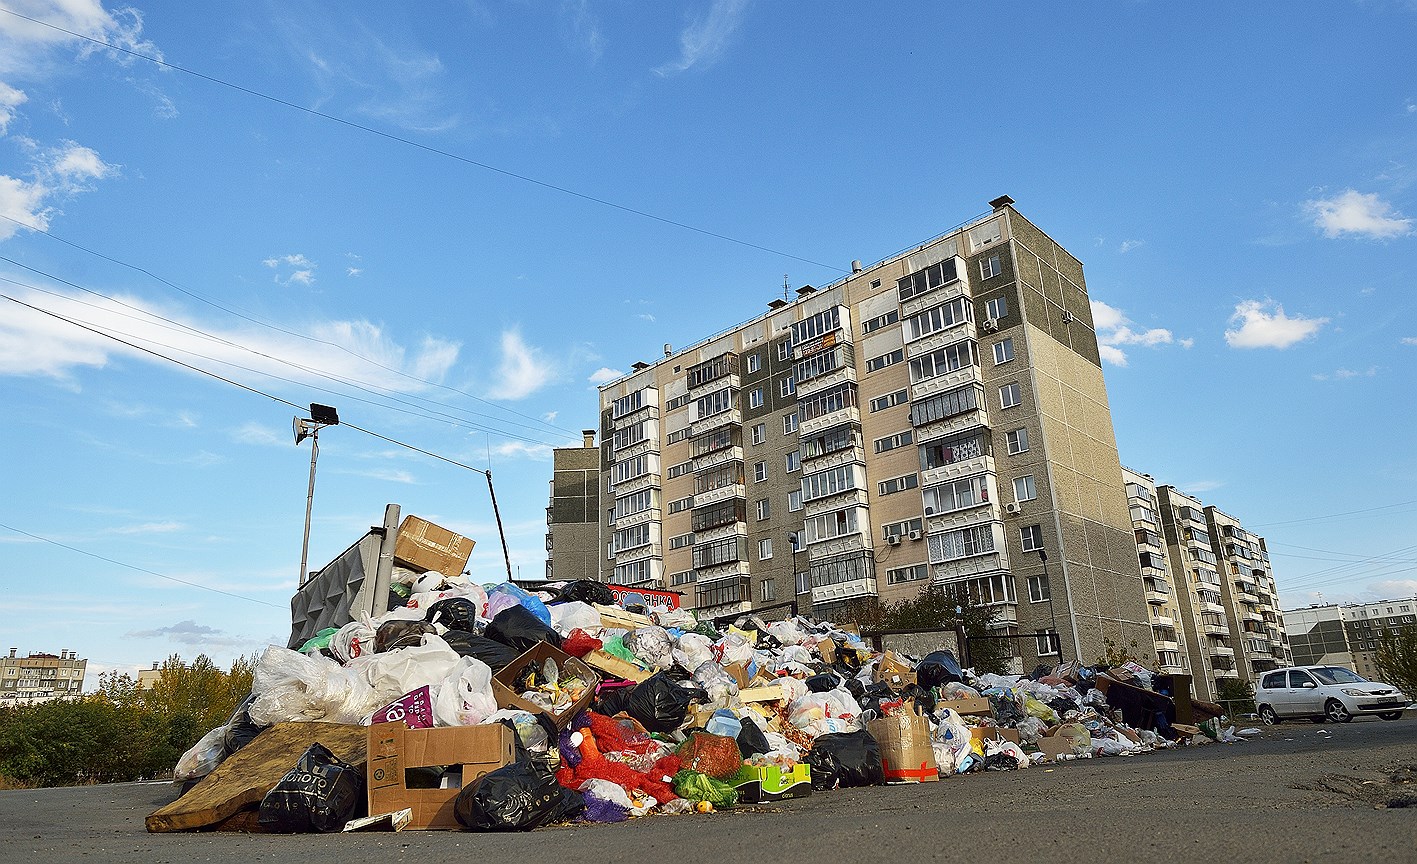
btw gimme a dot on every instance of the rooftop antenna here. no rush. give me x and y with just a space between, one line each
786 287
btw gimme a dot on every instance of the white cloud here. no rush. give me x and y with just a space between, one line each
32 50
1111 323
293 269
604 374
55 174
1129 245
353 271
1352 213
1186 343
149 528
1391 588
255 433
523 450
1259 327
1200 486
10 99
582 28
549 416
705 39
391 475
1345 374
1409 340
190 633
645 316
521 372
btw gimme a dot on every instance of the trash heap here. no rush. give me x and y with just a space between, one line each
499 709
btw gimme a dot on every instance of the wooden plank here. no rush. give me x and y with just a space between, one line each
248 774
614 616
772 693
612 665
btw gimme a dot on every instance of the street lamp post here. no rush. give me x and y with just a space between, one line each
1052 613
309 427
793 537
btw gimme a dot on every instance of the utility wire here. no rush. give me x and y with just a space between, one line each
245 387
424 147
1334 515
139 569
261 322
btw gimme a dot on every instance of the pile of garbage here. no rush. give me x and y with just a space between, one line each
535 708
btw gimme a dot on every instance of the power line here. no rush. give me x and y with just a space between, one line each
1335 515
259 321
139 569
245 387
424 147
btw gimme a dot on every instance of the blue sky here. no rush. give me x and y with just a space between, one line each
507 202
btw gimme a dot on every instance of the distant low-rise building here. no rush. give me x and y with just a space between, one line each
41 677
1346 636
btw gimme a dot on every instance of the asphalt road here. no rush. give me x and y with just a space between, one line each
1300 792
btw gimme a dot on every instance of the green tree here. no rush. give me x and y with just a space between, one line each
1395 655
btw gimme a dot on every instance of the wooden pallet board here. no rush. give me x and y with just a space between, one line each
248 774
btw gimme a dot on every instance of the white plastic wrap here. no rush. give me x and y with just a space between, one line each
393 673
693 650
566 617
652 646
464 697
290 686
203 758
354 639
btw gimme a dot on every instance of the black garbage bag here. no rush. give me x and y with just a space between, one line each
518 627
240 730
854 687
613 701
823 682
1000 762
455 613
660 704
516 797
586 591
767 642
1062 705
400 633
872 695
1007 712
489 651
846 759
924 698
752 741
320 794
937 669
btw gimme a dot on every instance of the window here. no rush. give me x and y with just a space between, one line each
768 590
891 442
1003 351
627 404
681 541
830 525
784 350
794 461
717 515
723 551
630 469
1045 640
956 495
1024 489
947 359
834 439
997 308
765 549
821 362
714 403
682 578
711 442
913 573
929 279
1039 589
890 400
961 543
970 444
880 321
898 484
633 573
829 482
786 386
827 401
755 398
795 540
631 538
1031 537
901 529
681 505
719 476
677 401
794 500
957 311
677 435
680 470
1010 395
760 433
789 423
1017 441
763 508
888 359
755 362
820 324
760 472
989 267
632 434
942 406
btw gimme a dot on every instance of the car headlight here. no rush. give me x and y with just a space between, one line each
1353 691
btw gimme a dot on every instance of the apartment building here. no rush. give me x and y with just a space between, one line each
1346 635
573 514
1251 598
1172 633
40 677
937 417
1364 622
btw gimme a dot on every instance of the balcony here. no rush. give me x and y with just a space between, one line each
1226 672
1215 630
1220 650
844 590
1163 621
1166 645
1173 669
1005 614
1247 597
1207 606
1251 615
724 592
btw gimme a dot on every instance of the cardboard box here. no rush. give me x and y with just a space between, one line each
394 748
615 667
1054 746
984 733
906 754
894 671
422 545
977 706
504 682
757 784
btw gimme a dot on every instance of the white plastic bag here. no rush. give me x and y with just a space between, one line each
403 670
651 646
354 639
693 650
464 697
290 686
203 758
566 617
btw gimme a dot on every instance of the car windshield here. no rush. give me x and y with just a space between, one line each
1337 675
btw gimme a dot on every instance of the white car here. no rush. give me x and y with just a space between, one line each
1325 693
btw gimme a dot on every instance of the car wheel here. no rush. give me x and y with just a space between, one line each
1267 715
1391 715
1335 711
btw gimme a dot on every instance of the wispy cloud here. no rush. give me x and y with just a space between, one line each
549 416
523 450
293 269
149 528
10 99
522 370
1263 324
1114 330
705 39
55 174
578 21
35 51
1201 486
353 271
1408 340
390 475
1351 213
255 433
190 633
604 374
645 316
1346 374
1129 245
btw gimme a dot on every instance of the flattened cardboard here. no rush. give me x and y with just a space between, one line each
504 682
393 749
423 545
767 693
906 753
977 706
984 733
894 671
1054 746
615 667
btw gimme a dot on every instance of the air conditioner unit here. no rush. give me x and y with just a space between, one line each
893 539
990 325
929 511
1012 508
916 535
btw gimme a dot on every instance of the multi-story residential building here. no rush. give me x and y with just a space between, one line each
40 677
1171 637
573 516
1317 636
1364 622
1251 598
937 417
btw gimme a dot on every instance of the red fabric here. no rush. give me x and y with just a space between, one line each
580 643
